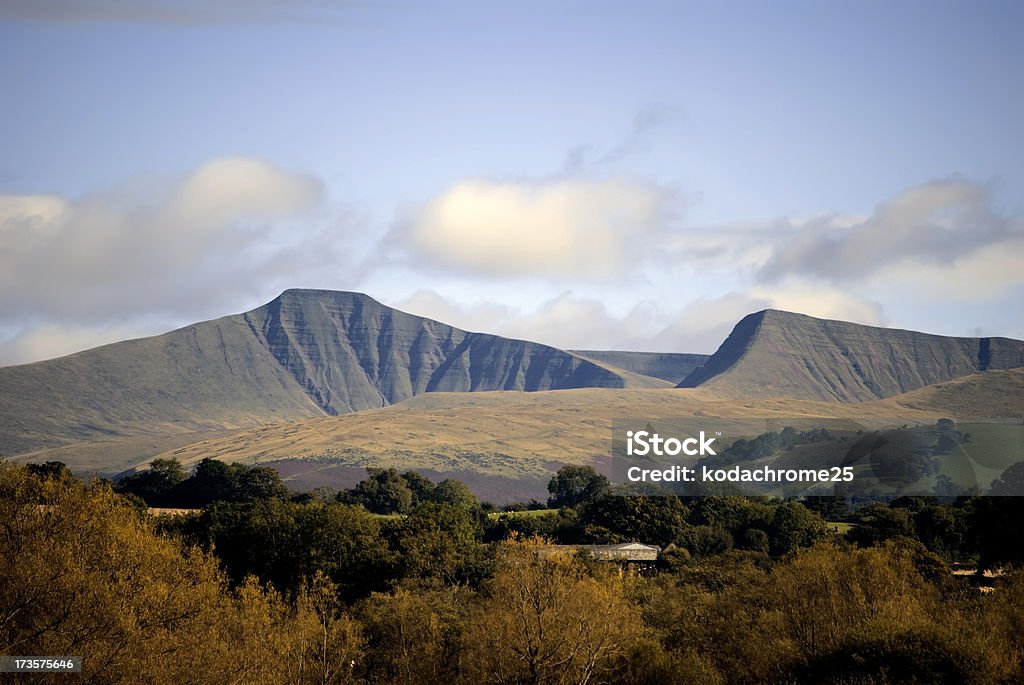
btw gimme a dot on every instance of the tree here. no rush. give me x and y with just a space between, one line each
415 634
830 508
824 593
155 484
282 542
544 620
259 482
1010 482
622 518
946 443
440 541
421 487
877 523
574 486
212 480
915 654
384 491
454 492
330 644
56 470
997 529
793 526
83 573
168 472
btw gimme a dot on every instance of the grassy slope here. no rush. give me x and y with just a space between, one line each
210 376
508 433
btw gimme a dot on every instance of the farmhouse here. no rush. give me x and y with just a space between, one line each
625 551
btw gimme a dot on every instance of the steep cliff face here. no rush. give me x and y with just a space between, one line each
773 353
349 352
306 353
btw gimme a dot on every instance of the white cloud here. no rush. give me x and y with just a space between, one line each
226 189
228 232
110 254
984 274
935 224
562 229
80 272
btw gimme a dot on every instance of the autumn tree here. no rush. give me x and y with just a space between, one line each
82 572
416 634
543 620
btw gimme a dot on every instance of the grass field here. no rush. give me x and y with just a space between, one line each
513 437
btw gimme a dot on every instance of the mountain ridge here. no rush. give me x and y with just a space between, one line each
305 353
776 353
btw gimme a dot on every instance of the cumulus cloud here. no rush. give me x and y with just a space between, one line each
935 225
220 234
563 229
986 273
226 189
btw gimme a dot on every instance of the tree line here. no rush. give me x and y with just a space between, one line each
320 589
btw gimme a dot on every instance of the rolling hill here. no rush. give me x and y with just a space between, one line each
774 353
306 353
515 440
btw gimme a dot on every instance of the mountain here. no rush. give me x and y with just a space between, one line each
775 353
669 366
306 353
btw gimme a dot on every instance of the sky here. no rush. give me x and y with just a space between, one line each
583 174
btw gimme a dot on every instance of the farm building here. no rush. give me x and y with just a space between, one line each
625 551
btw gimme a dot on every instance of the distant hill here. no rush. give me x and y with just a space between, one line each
669 366
307 353
988 395
774 353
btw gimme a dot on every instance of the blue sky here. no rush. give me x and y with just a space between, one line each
583 174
